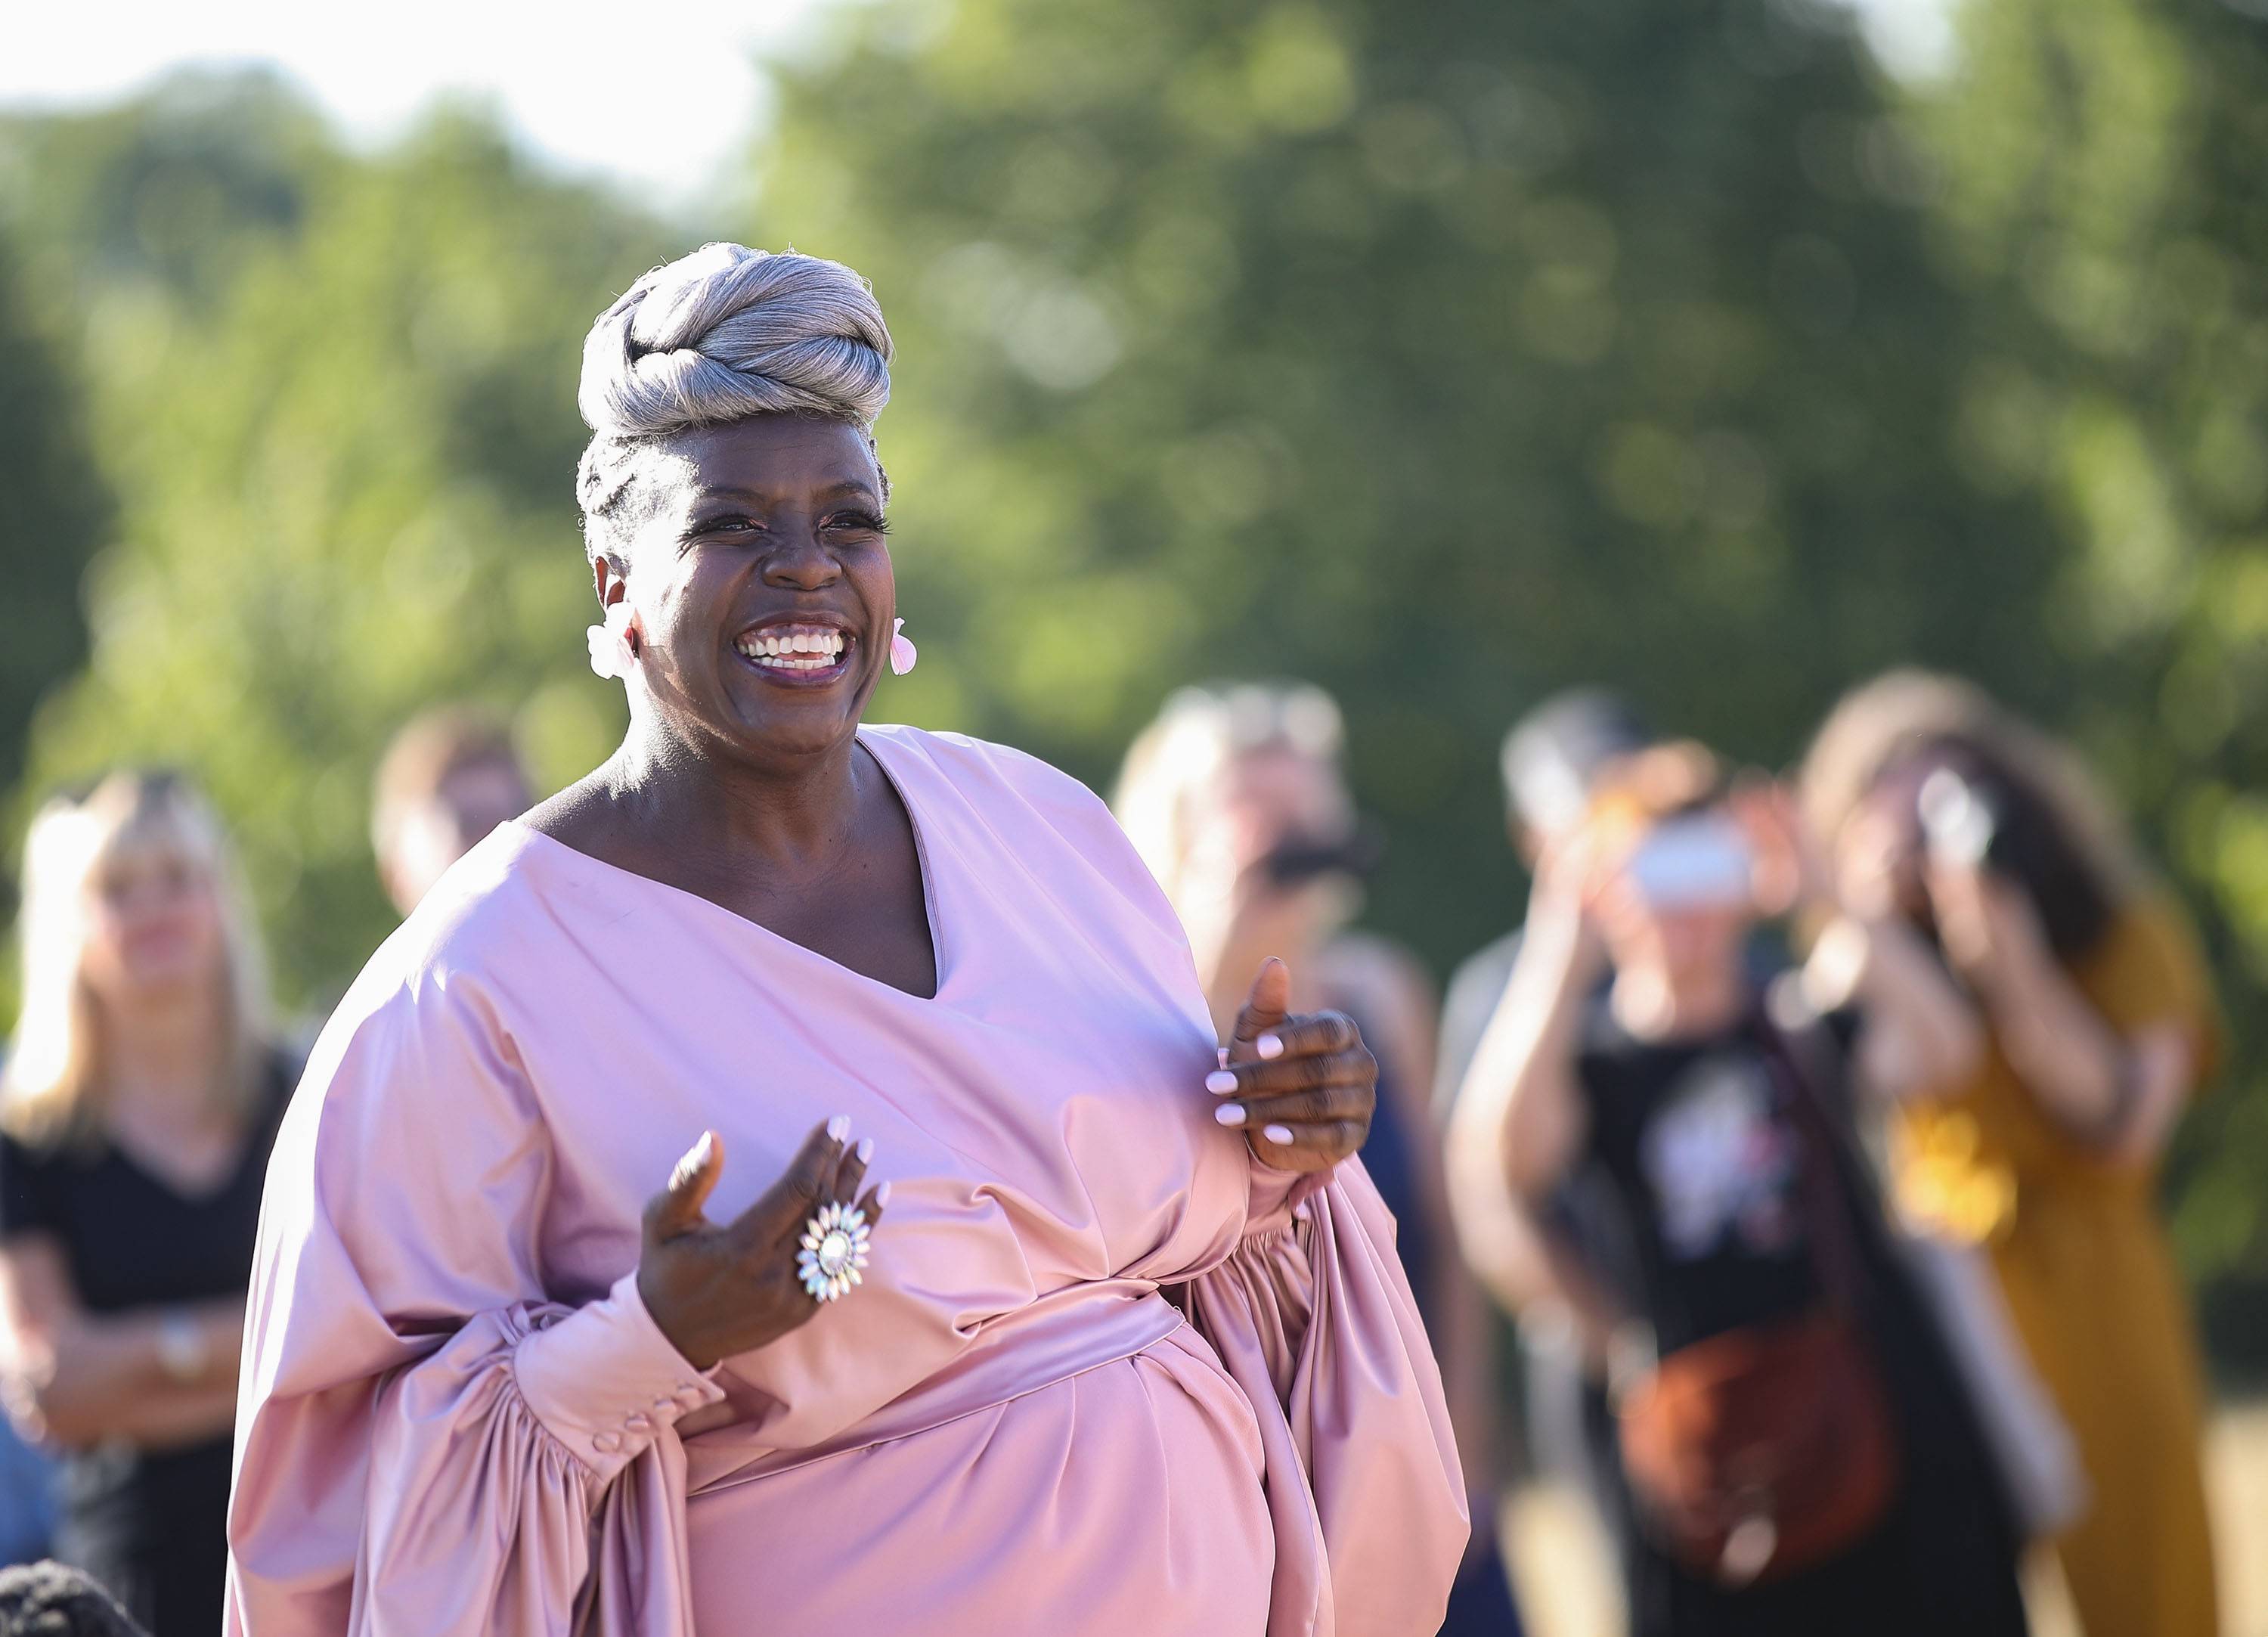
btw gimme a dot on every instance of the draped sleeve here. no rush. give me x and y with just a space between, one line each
428 1441
1314 1318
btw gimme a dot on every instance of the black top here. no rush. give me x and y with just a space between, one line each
147 1524
128 1237
1697 1145
1708 1161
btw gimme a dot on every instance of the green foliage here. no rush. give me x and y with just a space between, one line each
1444 354
2105 214
54 512
163 199
343 465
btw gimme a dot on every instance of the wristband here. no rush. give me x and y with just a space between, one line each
183 1352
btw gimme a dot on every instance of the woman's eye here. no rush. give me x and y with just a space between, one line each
737 528
855 523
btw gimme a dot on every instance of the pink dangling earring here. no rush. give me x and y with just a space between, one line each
901 650
613 649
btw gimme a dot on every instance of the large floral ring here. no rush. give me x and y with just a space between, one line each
833 1250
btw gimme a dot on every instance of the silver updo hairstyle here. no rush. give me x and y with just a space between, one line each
719 336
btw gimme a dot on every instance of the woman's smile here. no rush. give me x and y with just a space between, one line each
797 653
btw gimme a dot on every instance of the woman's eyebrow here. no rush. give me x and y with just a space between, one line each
854 487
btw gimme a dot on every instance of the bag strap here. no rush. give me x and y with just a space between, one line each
1827 1187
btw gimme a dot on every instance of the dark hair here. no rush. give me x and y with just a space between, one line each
2019 834
50 1600
2064 845
427 753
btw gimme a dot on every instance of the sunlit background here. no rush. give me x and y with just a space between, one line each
1727 350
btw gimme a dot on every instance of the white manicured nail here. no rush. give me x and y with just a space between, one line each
1268 1045
696 1159
1280 1135
1220 1082
838 1128
1229 1114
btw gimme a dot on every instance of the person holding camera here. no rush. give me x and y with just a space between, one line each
2098 1021
1801 1452
1555 760
1236 798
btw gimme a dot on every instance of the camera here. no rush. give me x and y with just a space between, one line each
1959 819
1699 862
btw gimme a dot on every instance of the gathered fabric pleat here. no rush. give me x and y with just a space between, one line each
1312 1316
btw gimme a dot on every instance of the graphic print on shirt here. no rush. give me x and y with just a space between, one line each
1722 1169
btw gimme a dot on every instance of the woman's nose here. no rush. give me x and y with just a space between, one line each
800 561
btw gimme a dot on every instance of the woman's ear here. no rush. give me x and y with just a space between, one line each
607 579
615 646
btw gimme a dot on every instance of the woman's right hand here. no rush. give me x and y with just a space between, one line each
715 1291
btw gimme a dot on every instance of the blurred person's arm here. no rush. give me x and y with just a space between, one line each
1521 1263
1475 989
1519 1123
76 1378
1921 1036
2117 1093
1397 997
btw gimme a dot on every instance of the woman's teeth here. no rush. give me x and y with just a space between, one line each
794 649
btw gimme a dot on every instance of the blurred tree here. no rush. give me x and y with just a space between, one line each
54 513
343 458
164 197
2104 213
116 224
1442 354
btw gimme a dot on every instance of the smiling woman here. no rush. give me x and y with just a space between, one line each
1129 1348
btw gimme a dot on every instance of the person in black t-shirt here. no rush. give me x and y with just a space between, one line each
1237 799
137 1105
1555 759
1635 1047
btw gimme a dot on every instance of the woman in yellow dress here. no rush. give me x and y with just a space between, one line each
2098 1022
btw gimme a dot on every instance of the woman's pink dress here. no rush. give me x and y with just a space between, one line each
1105 1376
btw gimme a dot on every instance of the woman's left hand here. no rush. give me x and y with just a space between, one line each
1302 1089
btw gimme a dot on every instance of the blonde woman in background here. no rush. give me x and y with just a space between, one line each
141 1096
1236 798
2100 1022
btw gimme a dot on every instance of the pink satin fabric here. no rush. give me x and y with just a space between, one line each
1106 1374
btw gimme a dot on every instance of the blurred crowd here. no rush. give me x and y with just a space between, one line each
1805 1131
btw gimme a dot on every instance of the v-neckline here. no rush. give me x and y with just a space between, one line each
190 1198
255 1128
924 862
